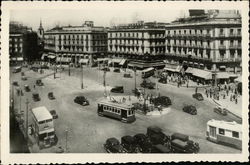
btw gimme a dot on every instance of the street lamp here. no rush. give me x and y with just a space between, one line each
135 79
81 76
27 119
69 69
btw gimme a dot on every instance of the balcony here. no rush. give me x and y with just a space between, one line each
222 35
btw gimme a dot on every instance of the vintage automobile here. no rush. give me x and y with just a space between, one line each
54 114
44 67
179 136
128 144
51 96
22 74
190 109
179 146
24 78
117 89
15 83
81 100
163 80
220 110
39 82
162 101
156 135
159 148
26 88
127 75
198 96
149 85
106 69
113 145
117 70
36 97
142 141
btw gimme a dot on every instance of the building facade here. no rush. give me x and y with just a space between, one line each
22 43
211 41
76 42
143 44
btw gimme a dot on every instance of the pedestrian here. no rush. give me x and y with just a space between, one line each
236 100
196 90
34 86
227 92
187 84
231 97
224 96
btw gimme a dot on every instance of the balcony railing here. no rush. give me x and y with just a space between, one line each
222 47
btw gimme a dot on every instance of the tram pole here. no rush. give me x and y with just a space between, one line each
81 76
27 118
135 80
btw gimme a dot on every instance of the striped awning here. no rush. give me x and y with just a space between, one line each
83 61
122 62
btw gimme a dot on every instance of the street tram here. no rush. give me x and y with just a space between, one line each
117 110
148 72
222 132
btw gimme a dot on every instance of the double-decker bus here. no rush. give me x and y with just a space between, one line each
147 72
117 110
43 126
222 132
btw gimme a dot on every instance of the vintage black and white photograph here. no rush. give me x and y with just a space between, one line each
126 79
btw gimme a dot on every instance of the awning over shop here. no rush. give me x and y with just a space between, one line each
173 68
189 70
122 62
83 61
222 67
199 73
115 60
63 59
239 79
51 56
19 59
44 55
222 75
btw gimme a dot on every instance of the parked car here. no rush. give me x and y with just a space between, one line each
54 114
15 83
26 88
190 109
162 101
44 67
36 97
198 96
159 148
149 85
39 82
179 136
179 146
156 135
51 96
81 100
106 69
117 70
24 78
163 80
113 145
127 75
142 141
117 89
220 110
128 144
22 74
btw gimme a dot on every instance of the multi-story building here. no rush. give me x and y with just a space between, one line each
210 41
22 43
142 44
72 43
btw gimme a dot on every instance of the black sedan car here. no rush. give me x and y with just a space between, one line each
54 114
162 101
36 97
81 100
198 96
51 96
113 145
162 80
190 109
117 89
117 70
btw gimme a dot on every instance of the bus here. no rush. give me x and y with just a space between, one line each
148 72
117 110
43 127
227 133
17 69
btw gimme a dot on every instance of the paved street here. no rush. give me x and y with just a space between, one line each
87 131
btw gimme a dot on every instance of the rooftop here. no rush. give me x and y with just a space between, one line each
41 113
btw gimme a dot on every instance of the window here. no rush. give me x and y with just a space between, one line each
221 31
221 42
235 134
231 31
221 131
41 122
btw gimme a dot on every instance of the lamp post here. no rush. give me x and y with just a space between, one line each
104 82
81 76
135 80
27 118
69 69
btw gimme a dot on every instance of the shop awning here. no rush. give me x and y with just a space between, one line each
51 56
19 59
189 70
44 55
200 73
239 79
222 67
173 68
83 61
222 75
122 62
63 59
116 60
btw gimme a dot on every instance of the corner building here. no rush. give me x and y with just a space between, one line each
211 41
141 44
73 43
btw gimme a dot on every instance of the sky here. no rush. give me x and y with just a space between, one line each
101 15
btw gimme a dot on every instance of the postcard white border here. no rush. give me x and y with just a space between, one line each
6 157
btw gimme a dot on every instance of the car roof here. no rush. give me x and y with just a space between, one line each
155 128
128 139
162 148
112 140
